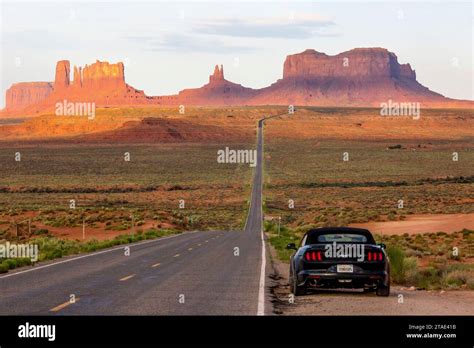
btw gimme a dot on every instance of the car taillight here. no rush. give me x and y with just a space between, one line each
374 256
313 255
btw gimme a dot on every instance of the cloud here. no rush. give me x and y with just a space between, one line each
233 35
291 27
186 43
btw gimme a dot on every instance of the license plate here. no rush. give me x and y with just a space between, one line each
345 268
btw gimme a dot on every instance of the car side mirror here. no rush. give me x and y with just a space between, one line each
291 246
382 245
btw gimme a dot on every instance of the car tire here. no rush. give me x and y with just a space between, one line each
383 290
297 290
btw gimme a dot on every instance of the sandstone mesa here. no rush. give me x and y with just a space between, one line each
360 77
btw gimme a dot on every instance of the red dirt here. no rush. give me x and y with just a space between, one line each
415 224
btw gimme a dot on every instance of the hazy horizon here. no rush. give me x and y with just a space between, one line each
167 47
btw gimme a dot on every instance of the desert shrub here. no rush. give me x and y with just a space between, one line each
410 267
456 278
397 263
429 278
392 216
280 243
458 275
470 283
8 264
272 227
3 268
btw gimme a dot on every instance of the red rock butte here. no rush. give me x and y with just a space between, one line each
359 77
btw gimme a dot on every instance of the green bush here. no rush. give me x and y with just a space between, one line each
4 267
397 263
7 264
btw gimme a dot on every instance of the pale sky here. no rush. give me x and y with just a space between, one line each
169 46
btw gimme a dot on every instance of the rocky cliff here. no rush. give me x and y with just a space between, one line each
363 63
218 91
100 82
359 77
23 94
62 79
102 75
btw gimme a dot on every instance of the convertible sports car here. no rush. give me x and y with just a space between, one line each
339 257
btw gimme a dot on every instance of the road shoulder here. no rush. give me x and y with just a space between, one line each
402 300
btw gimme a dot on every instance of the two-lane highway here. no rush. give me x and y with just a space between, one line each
194 273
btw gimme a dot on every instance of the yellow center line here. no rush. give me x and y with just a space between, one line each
156 265
127 277
177 255
190 249
63 305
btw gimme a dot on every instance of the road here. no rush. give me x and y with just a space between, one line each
194 273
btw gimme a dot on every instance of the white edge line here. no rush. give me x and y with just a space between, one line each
261 287
251 189
94 254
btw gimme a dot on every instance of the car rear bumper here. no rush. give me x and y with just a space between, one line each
323 279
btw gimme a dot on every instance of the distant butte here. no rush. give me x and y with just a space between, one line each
359 77
218 91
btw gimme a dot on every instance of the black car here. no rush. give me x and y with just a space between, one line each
339 257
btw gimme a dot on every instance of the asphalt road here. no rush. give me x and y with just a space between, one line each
194 273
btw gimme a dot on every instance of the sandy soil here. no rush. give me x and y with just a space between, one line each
415 224
98 233
365 125
166 124
354 302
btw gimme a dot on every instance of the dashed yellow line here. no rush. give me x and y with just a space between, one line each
63 305
156 265
127 277
189 249
199 244
177 255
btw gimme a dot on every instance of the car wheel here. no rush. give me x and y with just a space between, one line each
295 289
383 290
299 290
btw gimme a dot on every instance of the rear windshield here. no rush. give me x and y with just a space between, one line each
339 238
